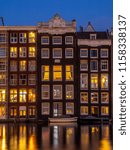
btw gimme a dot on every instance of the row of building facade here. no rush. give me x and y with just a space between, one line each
52 70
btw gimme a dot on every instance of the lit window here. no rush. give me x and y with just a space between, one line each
94 97
22 37
92 36
2 52
95 111
83 65
69 108
13 111
32 111
32 37
104 53
2 78
45 40
83 53
3 65
13 52
104 81
57 91
32 65
45 53
22 79
93 53
22 95
57 53
57 40
57 73
69 91
13 95
45 73
22 65
94 81
45 92
32 95
3 109
83 110
13 65
104 110
69 53
69 73
31 79
22 111
104 65
69 40
45 109
84 97
2 95
22 52
105 97
32 52
13 79
84 81
94 65
13 37
2 37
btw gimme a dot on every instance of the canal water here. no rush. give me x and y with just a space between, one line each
55 137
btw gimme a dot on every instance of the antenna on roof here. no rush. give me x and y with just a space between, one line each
2 20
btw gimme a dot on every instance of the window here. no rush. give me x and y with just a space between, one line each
22 111
3 65
104 53
13 79
13 37
83 65
92 36
22 95
93 53
31 95
31 79
22 65
104 110
2 78
32 65
2 52
45 108
13 111
22 52
94 97
69 40
13 95
22 37
13 52
69 53
22 79
57 53
57 91
32 37
94 66
45 73
69 108
104 81
104 65
57 40
84 97
3 109
32 111
32 52
105 97
83 81
69 73
94 81
83 53
45 40
13 65
45 92
69 91
57 73
2 95
2 37
84 110
95 111
45 53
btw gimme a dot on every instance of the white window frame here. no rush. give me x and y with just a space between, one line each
55 97
83 56
103 97
3 52
45 37
45 88
3 78
3 65
101 51
71 71
2 37
47 51
47 107
70 107
96 96
32 65
83 113
71 51
84 102
95 86
71 92
83 85
13 39
82 68
22 79
31 81
12 54
23 52
22 39
57 49
102 113
56 43
66 42
104 63
93 49
91 69
106 82
13 65
13 81
93 36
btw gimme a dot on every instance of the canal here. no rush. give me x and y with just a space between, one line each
55 137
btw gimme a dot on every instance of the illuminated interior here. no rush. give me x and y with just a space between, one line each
57 73
22 111
32 95
13 51
22 95
45 73
104 81
84 97
84 110
69 108
3 78
94 81
69 72
104 110
32 37
69 91
32 52
32 111
23 65
95 110
94 97
2 111
13 111
105 97
2 95
13 95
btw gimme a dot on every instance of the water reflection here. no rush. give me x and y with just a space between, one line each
55 137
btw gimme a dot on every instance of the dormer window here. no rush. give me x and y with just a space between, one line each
92 36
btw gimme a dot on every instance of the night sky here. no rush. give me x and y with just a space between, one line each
29 12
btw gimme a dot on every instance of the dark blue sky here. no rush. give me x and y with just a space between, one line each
29 12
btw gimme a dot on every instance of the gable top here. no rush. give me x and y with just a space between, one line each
90 28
